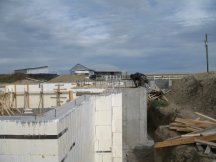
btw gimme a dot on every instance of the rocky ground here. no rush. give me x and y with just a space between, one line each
188 95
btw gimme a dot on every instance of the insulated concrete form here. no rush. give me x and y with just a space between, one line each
86 130
96 128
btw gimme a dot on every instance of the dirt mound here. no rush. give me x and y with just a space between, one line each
11 78
196 92
21 78
192 93
69 79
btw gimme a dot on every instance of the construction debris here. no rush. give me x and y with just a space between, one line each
6 105
157 94
190 125
199 131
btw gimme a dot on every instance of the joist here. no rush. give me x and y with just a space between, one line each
182 141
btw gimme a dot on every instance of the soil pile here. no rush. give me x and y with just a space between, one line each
11 78
195 92
69 79
188 95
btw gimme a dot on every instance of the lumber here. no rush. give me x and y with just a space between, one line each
205 116
204 132
206 142
190 135
195 123
186 140
183 129
178 124
199 147
163 97
207 150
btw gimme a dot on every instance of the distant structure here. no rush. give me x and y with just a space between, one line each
35 70
97 73
81 70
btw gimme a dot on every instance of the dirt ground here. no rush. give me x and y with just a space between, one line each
194 93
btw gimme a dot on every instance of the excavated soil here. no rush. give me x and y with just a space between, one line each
194 93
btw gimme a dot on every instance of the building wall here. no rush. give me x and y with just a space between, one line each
38 71
43 70
24 71
86 72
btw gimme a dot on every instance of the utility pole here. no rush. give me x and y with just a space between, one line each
206 46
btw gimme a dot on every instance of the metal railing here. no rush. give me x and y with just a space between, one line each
166 77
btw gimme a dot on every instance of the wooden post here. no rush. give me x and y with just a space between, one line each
15 95
27 95
70 95
42 96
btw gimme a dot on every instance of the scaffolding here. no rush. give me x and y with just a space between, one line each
28 102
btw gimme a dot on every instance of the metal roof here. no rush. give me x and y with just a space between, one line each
97 68
41 67
79 67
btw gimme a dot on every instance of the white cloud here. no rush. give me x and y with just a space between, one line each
60 21
194 13
60 33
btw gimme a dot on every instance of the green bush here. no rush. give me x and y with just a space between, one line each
158 103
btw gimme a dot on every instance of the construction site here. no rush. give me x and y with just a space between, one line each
161 118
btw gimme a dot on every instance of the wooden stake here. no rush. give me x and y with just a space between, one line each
70 93
28 102
15 95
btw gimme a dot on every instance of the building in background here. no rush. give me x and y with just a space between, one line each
81 70
101 73
35 70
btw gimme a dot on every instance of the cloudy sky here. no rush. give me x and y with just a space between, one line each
150 36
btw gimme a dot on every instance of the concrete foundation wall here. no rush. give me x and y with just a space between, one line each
134 121
98 128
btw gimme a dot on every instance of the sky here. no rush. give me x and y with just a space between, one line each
148 36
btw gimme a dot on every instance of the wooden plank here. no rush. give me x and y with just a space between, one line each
207 150
178 124
206 142
182 141
183 129
199 147
190 135
182 125
205 116
194 123
163 97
